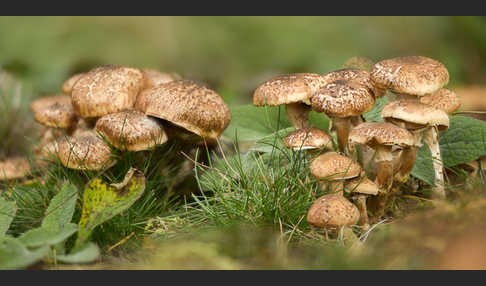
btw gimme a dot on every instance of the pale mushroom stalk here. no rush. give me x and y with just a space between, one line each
361 204
431 138
298 114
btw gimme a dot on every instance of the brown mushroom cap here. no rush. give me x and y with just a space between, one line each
349 74
415 112
56 115
14 168
412 75
343 98
444 99
308 138
332 166
362 186
67 86
154 77
287 89
131 130
332 210
372 133
190 105
45 101
106 90
84 152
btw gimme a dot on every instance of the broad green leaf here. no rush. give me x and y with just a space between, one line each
61 208
374 115
102 201
463 142
47 235
7 213
15 255
424 168
88 252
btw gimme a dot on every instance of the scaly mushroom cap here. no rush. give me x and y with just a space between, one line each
372 133
155 77
350 74
190 105
343 98
361 186
45 101
14 168
106 90
444 99
413 75
359 63
416 113
331 211
308 138
331 166
67 86
56 115
84 152
131 130
286 89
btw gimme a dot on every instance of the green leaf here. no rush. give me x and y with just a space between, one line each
463 142
88 252
47 235
374 115
424 168
15 255
7 214
61 208
102 201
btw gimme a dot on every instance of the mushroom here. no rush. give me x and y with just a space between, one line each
83 152
44 101
57 115
424 121
293 91
106 90
154 77
189 105
362 187
14 168
342 100
359 63
409 77
309 139
332 211
444 99
67 86
382 137
131 130
334 169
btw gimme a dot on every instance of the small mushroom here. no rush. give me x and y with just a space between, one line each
83 152
444 99
409 77
67 86
332 211
189 105
309 139
131 130
342 100
293 91
334 169
361 188
44 101
424 121
106 90
57 115
14 168
154 77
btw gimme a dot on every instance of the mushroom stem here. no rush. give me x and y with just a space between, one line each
336 187
407 97
343 127
361 204
431 138
298 114
407 158
384 162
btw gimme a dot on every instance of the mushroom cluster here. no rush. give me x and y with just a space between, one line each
128 109
418 108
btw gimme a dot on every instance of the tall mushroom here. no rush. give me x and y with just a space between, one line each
409 77
342 100
293 91
424 122
333 169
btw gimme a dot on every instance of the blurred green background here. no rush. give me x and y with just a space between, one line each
233 54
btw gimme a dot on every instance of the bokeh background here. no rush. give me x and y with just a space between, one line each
233 54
